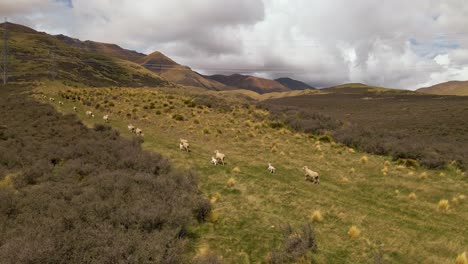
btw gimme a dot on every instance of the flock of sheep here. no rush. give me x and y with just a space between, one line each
184 145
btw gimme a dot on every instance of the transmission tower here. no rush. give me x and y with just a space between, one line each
4 54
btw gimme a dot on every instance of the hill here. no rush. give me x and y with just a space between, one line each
447 88
38 56
102 48
293 84
252 83
394 205
174 72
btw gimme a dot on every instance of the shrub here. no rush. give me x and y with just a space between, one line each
296 244
178 117
236 170
364 160
92 189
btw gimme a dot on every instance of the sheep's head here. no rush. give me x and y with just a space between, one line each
305 168
216 151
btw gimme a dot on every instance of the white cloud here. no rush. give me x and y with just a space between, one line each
398 43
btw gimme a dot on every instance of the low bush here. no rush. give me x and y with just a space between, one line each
87 195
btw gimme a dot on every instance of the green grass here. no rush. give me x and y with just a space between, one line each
252 212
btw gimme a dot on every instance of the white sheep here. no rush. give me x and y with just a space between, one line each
131 128
214 161
60 103
271 169
184 146
74 108
139 132
52 99
311 175
183 140
106 118
220 156
89 113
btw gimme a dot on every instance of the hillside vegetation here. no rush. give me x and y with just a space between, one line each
71 194
448 88
366 209
38 56
430 129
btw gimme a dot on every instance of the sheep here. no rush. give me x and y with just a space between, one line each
139 132
60 103
131 128
52 99
89 113
214 161
74 108
311 175
184 146
219 156
183 140
271 169
106 118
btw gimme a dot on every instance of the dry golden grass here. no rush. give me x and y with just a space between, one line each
344 180
231 182
354 232
410 174
412 196
215 198
351 150
236 170
442 174
352 171
364 160
400 168
387 163
316 216
213 217
443 205
461 259
423 175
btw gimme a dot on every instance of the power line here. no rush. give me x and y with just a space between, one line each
5 53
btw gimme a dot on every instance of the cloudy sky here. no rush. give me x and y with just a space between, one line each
394 43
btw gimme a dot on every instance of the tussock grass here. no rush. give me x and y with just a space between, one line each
316 216
231 182
364 160
236 170
443 205
461 259
354 232
412 196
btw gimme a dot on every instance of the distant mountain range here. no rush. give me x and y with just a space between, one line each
447 88
39 55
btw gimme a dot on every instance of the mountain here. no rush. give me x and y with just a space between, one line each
102 48
447 88
293 84
174 72
39 56
256 84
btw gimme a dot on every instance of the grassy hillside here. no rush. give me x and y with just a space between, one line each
252 83
431 129
395 208
174 72
38 56
70 194
448 88
106 49
293 84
